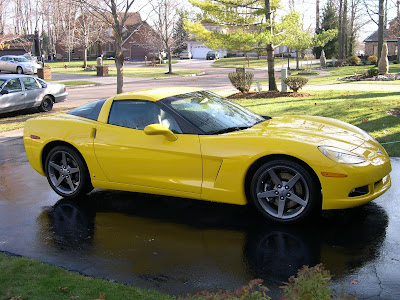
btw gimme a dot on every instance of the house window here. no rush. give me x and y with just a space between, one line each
108 47
376 50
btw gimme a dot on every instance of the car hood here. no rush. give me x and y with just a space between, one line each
312 130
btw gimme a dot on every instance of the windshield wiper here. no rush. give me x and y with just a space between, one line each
230 129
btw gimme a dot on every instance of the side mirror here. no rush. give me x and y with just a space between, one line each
3 92
158 129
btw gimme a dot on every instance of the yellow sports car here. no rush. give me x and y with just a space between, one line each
191 143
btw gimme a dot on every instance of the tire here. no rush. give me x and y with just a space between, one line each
19 70
47 104
67 173
284 192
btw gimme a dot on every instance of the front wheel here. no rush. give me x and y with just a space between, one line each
284 191
47 104
19 70
67 173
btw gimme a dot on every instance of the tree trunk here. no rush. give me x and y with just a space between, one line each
271 68
344 30
85 57
340 29
169 61
380 27
297 59
270 49
119 63
317 16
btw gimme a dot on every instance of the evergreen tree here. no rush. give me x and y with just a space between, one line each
330 20
180 36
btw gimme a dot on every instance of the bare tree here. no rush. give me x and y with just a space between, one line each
89 31
114 13
166 16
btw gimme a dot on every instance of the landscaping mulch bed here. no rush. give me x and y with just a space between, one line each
394 112
267 94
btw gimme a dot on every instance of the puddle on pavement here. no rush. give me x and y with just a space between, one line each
181 245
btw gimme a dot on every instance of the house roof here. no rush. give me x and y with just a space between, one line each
133 19
374 37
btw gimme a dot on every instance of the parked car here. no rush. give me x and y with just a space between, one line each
156 55
18 64
212 55
187 142
24 91
185 54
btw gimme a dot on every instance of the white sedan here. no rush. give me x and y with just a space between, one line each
18 64
23 91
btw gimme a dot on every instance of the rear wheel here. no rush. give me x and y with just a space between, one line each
47 104
284 191
19 70
67 173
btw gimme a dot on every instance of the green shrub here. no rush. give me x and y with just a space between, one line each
296 83
253 291
372 59
353 60
395 62
241 80
374 71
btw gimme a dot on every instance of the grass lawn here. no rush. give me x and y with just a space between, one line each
239 62
131 72
367 110
348 71
24 278
75 63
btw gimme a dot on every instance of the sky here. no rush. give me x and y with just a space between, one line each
305 7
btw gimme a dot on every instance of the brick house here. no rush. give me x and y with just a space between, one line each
135 43
371 42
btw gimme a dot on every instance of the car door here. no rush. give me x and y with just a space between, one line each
3 63
127 155
12 97
33 92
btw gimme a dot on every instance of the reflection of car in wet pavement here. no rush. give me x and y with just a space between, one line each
190 143
161 244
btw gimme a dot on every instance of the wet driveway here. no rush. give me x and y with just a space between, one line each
180 245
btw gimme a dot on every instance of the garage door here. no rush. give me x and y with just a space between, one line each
200 51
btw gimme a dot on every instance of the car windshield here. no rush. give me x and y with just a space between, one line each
21 59
2 82
212 113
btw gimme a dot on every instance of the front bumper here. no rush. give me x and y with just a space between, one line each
374 180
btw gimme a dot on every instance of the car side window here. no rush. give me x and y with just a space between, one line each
42 83
13 85
30 83
138 114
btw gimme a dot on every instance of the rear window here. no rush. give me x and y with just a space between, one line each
89 111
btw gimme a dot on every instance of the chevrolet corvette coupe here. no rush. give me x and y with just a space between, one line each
191 143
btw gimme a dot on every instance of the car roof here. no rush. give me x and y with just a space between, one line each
156 94
10 76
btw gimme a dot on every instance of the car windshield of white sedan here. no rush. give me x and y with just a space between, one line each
21 59
212 113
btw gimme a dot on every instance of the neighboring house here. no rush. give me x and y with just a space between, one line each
135 45
199 49
19 45
371 42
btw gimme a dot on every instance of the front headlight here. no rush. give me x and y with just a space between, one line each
341 156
